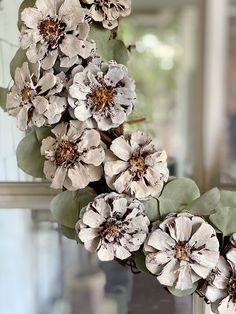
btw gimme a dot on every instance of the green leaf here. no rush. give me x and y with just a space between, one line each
227 199
152 209
119 51
140 262
225 220
42 133
99 34
206 204
182 293
17 61
25 4
109 49
66 206
28 156
3 97
70 233
176 195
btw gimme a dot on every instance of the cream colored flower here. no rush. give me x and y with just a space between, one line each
55 28
113 225
136 167
182 250
104 92
73 157
221 288
35 99
108 11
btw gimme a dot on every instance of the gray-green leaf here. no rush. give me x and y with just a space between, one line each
140 262
28 156
66 206
3 97
227 199
152 209
177 194
70 233
225 220
206 204
17 61
109 49
182 293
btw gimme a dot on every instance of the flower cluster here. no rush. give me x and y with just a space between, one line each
107 11
73 157
221 284
74 104
179 254
55 29
113 225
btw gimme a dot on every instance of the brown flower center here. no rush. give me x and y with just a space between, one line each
52 30
182 252
138 164
26 94
101 97
66 153
232 289
110 229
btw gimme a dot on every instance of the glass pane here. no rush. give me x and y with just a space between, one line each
44 273
229 169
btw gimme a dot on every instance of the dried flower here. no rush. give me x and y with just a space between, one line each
73 157
103 91
113 225
221 288
35 99
108 11
137 168
182 250
55 28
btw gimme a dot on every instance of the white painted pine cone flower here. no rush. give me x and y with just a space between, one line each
221 288
182 250
136 167
108 11
35 98
113 225
55 28
73 157
104 92
233 239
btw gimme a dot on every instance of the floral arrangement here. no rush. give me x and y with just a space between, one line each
72 94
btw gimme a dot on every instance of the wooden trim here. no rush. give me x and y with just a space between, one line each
36 196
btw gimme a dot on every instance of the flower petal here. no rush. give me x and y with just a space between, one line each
121 148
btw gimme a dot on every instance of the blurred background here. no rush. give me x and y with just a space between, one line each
185 68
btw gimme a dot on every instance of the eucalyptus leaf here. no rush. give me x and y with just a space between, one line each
25 4
182 293
119 51
42 133
227 199
28 156
17 61
3 97
66 206
140 262
70 233
206 204
109 49
225 220
152 209
177 195
99 34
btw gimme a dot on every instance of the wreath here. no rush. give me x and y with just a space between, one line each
72 95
